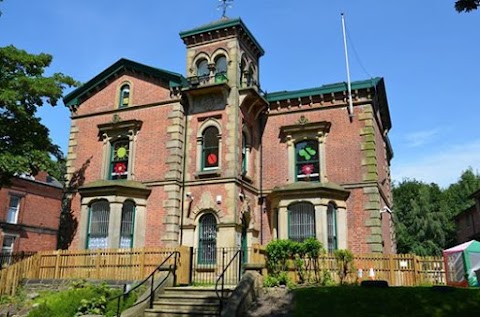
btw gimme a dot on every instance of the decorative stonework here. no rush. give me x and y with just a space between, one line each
71 154
372 197
171 205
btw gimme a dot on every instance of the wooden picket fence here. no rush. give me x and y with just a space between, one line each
397 269
136 264
110 264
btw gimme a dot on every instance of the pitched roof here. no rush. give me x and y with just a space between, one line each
174 79
222 24
324 89
376 83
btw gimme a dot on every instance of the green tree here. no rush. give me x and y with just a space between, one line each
25 146
456 199
466 5
420 218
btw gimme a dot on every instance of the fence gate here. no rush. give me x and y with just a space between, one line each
206 270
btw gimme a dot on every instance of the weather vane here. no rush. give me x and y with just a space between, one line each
224 5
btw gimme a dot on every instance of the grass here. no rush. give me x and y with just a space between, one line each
392 301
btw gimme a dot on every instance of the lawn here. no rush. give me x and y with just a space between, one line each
392 301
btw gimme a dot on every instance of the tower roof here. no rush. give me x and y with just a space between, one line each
197 34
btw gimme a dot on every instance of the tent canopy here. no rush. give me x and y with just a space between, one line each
472 246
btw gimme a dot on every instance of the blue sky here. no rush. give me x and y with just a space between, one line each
427 53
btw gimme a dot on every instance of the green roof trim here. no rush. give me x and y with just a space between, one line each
222 24
325 89
174 79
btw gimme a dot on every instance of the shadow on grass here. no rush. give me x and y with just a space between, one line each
392 301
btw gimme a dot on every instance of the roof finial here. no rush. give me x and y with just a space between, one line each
224 5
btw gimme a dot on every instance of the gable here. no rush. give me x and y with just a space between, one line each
122 67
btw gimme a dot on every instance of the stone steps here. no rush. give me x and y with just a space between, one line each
186 301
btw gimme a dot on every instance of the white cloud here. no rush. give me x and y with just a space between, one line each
419 138
441 166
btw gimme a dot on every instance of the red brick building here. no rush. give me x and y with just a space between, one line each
30 213
468 221
209 160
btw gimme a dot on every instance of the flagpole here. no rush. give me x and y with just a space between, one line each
349 84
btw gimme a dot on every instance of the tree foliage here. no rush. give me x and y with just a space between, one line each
466 5
25 145
424 213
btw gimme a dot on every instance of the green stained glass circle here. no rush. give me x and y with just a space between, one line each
121 152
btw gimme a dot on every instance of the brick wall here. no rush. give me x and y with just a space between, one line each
38 217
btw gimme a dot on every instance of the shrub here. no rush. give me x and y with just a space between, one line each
344 261
82 298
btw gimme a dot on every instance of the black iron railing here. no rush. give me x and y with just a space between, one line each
221 292
151 278
207 264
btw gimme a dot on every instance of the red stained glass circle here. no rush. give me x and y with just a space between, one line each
211 159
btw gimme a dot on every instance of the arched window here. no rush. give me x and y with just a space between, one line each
250 76
220 69
126 228
207 239
119 159
124 96
210 145
307 163
98 218
244 154
203 72
331 227
242 72
301 221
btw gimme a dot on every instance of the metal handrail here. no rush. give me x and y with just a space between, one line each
222 275
152 288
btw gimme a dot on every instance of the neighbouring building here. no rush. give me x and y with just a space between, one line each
209 160
468 221
30 213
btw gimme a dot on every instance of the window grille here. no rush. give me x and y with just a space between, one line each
207 244
332 227
98 225
301 221
126 228
307 164
210 148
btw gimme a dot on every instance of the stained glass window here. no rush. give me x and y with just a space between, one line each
119 160
124 96
307 164
210 148
301 221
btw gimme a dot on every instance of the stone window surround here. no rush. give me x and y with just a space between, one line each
111 132
306 131
115 219
280 217
208 123
210 60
